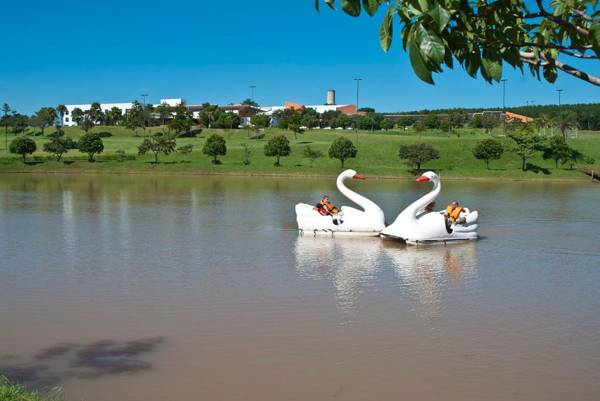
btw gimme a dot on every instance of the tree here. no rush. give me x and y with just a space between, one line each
215 146
246 153
387 124
296 129
44 117
62 110
96 114
59 144
278 146
558 150
483 36
90 143
134 118
6 123
418 153
488 149
182 122
250 102
486 121
22 145
157 143
77 115
19 122
312 154
565 121
114 116
164 112
525 145
342 149
261 121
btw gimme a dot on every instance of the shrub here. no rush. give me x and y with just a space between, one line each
22 145
488 149
342 149
90 143
215 146
278 146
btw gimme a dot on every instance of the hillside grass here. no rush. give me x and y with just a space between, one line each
377 155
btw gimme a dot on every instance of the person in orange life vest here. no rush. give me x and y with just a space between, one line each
330 210
453 213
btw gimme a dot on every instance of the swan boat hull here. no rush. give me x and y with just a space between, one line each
352 223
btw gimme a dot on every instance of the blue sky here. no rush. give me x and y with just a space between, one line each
79 52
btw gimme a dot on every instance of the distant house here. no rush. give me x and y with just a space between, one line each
511 117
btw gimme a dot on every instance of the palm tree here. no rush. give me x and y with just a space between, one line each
565 122
62 110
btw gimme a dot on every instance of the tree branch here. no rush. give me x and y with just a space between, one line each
560 21
529 58
579 55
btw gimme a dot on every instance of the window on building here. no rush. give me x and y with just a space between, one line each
66 119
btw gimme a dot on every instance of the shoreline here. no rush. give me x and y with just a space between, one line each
582 179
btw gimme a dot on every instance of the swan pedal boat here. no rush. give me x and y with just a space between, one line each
414 226
352 222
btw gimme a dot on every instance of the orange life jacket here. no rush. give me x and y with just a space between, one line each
453 212
329 207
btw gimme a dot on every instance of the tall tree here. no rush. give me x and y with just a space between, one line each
115 116
525 145
6 122
96 114
182 121
134 118
62 110
44 117
483 36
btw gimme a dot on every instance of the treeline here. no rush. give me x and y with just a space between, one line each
586 115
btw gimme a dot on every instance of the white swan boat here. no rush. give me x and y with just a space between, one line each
367 222
414 226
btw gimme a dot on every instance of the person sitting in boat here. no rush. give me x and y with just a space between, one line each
455 214
326 206
427 209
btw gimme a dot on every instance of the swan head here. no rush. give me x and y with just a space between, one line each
352 174
428 176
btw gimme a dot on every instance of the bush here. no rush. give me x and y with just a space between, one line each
488 149
215 146
312 154
104 134
418 153
22 145
92 144
342 149
278 146
186 149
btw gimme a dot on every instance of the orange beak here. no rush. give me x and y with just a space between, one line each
422 179
359 177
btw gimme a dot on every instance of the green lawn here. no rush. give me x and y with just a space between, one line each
377 155
13 392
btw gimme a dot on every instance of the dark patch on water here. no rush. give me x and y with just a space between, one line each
53 365
55 351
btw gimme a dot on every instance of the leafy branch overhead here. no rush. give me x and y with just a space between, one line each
484 36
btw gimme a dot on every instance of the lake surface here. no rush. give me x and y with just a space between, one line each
187 288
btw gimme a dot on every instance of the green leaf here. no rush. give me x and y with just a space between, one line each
432 47
472 63
595 38
550 74
371 6
491 66
386 30
417 62
440 16
351 7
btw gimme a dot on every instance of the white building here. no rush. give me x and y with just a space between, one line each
124 107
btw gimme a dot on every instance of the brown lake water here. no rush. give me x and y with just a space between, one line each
198 288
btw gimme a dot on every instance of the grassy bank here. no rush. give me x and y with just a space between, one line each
13 392
377 155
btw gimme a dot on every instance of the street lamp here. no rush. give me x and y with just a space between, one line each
559 93
252 87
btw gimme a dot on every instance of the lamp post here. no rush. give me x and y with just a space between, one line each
252 88
560 91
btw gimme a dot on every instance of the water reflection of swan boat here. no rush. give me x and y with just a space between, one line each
367 222
349 263
415 227
425 271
